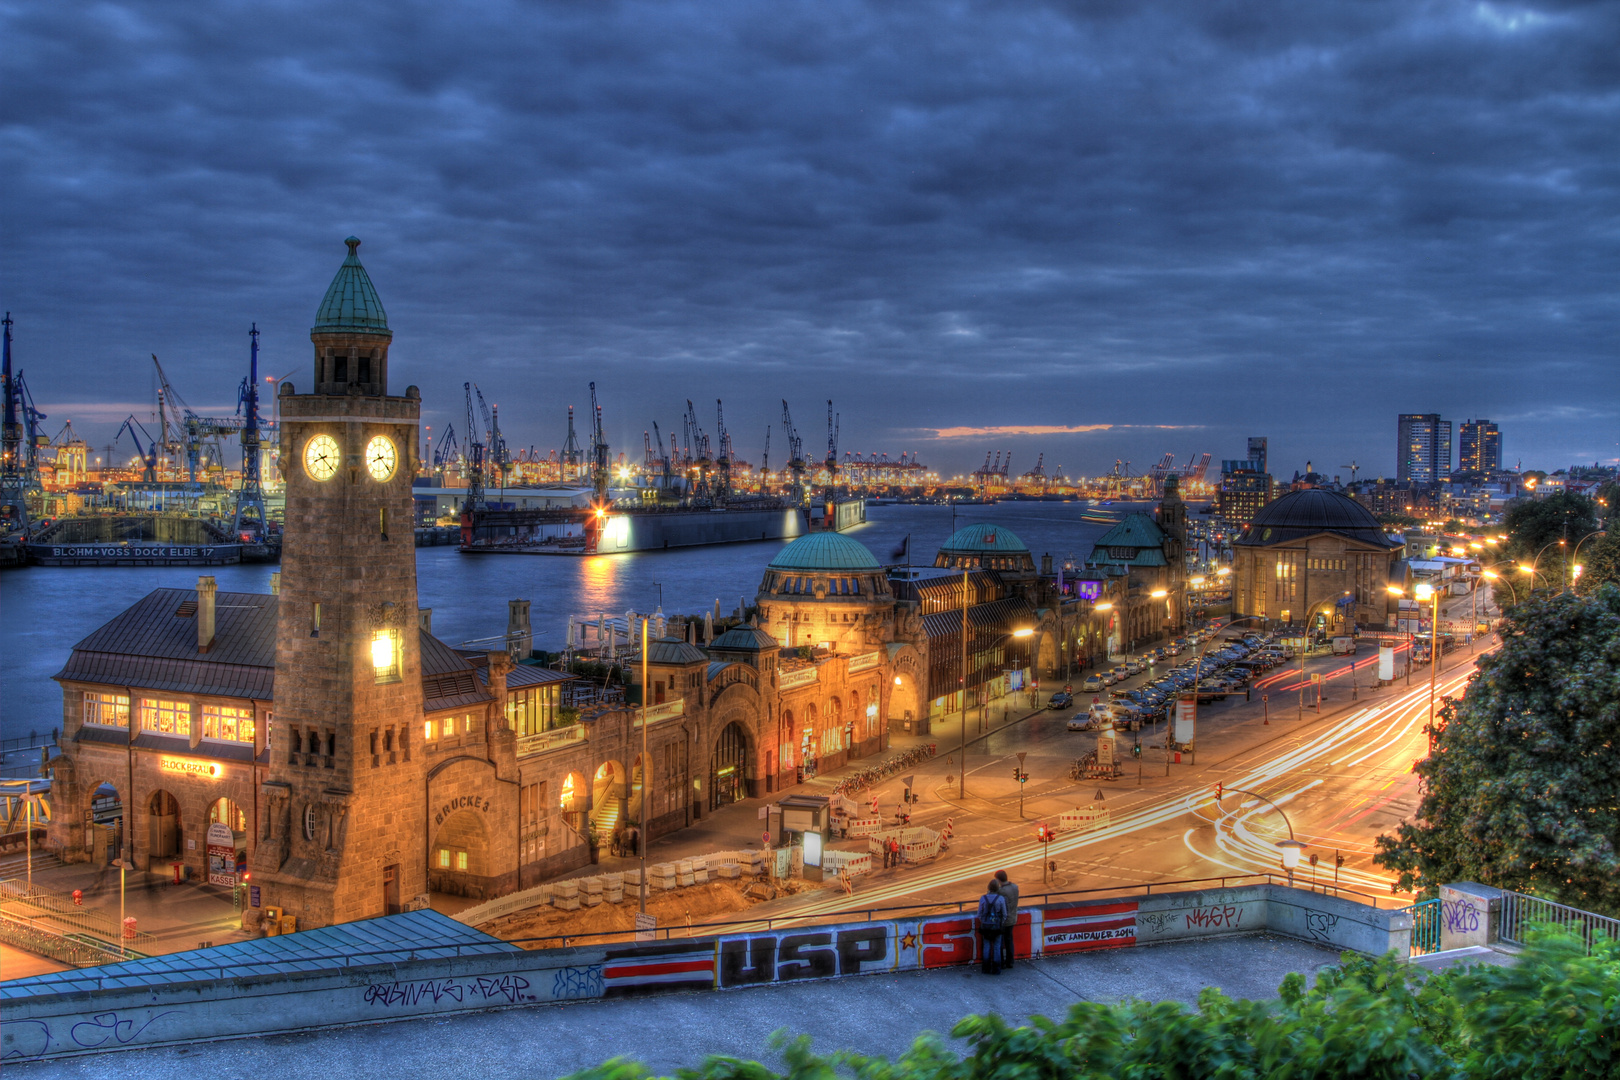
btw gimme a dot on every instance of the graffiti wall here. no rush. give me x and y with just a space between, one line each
95 1021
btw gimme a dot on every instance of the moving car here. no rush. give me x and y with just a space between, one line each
1060 700
1093 684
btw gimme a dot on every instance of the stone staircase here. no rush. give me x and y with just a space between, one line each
605 818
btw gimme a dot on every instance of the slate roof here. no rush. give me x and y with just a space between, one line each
149 645
745 638
674 651
1012 612
825 551
351 302
1137 532
388 939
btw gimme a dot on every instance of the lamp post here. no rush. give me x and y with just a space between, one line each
1421 592
1290 847
1575 567
646 769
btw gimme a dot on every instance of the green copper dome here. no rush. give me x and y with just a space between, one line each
351 305
985 538
825 551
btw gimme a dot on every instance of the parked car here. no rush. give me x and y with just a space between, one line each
1133 667
1060 700
1081 722
1092 685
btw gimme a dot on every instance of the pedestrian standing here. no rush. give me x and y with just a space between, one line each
1009 894
992 916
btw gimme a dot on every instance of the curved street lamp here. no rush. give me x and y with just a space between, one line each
1290 847
1575 567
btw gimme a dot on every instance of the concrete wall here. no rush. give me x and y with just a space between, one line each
217 1004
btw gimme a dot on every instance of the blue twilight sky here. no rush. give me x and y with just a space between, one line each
1095 230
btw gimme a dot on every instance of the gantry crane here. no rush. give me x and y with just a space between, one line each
795 464
599 453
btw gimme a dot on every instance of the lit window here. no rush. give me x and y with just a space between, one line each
385 655
461 860
106 710
449 727
166 717
427 730
227 722
444 858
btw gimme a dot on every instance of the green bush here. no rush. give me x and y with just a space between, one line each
1553 1016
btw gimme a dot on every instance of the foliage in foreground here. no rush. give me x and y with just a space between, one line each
1521 789
1554 1016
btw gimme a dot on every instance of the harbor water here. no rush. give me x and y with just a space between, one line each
45 610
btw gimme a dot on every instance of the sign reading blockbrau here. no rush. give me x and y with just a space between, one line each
461 802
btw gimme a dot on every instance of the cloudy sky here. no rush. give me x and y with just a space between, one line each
1094 230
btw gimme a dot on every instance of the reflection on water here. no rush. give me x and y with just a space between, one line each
43 611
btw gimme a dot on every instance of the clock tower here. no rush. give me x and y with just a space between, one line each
341 828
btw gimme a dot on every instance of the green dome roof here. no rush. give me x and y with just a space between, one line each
984 537
351 304
825 551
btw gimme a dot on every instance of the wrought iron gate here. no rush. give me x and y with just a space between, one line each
727 771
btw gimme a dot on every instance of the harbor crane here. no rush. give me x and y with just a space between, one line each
722 461
20 440
148 453
832 446
572 455
765 465
795 464
249 520
702 495
475 463
599 453
448 452
664 456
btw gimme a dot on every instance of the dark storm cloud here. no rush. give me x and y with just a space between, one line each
1237 218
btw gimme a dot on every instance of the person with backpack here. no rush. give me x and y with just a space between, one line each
1009 894
992 917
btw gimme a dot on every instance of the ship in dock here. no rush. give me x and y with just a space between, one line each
693 496
147 519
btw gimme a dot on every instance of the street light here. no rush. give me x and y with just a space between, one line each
1290 847
1424 591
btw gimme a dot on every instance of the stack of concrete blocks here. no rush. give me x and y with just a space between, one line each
730 871
661 876
593 891
565 896
684 872
700 871
613 888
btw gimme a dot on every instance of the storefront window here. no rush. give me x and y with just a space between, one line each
107 710
227 722
166 717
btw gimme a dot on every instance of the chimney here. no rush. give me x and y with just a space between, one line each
424 619
1046 565
206 591
519 636
275 583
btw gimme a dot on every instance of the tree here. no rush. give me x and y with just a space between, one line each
1521 790
1600 562
1534 528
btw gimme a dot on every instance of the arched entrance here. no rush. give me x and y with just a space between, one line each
105 837
458 860
163 826
728 769
905 701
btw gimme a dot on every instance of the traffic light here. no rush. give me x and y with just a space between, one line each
1219 787
1136 750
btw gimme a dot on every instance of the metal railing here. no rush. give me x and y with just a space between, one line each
237 968
43 941
1520 911
62 909
1425 927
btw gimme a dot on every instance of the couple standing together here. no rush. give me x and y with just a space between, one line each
998 914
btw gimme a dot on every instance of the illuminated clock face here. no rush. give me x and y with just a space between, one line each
321 457
381 457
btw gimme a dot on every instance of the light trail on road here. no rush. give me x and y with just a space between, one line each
1363 733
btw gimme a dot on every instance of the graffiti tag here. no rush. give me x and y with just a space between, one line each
1155 921
1460 916
1223 915
573 983
508 988
26 1039
109 1027
1319 924
814 955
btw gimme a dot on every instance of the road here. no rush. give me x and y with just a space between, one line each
1334 779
